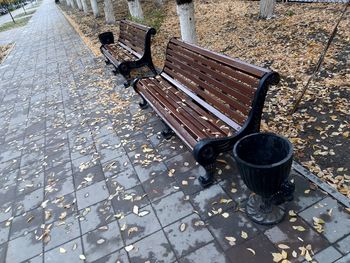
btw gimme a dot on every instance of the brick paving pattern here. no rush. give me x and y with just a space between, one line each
86 178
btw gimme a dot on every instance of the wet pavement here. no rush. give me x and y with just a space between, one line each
86 176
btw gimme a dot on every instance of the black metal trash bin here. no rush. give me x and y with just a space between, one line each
264 161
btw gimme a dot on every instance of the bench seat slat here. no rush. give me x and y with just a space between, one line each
179 100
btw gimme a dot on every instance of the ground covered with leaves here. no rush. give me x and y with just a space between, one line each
4 50
290 44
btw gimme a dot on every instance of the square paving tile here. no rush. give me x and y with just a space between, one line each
96 216
154 248
63 231
343 245
126 179
54 208
181 163
188 181
4 233
3 249
211 200
149 172
26 222
256 250
124 201
28 201
138 226
337 220
92 194
116 166
190 238
210 253
160 186
88 177
28 246
58 172
345 259
284 233
172 208
236 225
73 250
56 188
99 243
120 256
327 255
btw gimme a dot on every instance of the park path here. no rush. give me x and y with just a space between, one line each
84 174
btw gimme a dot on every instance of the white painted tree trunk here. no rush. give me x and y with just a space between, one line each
79 5
135 9
187 22
267 8
85 6
94 8
109 13
72 4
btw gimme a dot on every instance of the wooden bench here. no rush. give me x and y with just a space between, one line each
209 100
131 51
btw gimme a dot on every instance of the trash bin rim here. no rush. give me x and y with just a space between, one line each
289 155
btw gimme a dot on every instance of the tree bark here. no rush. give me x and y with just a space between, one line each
185 11
85 6
72 4
267 8
94 8
135 9
79 5
159 3
109 12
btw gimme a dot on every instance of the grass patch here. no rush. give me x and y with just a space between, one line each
11 25
153 18
24 14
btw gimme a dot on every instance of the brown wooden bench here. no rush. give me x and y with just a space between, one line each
209 100
132 50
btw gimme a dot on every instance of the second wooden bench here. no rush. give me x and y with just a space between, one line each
209 100
132 50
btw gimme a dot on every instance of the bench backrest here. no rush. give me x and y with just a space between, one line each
135 36
228 85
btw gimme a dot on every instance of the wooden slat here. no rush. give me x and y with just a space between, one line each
231 96
190 109
241 65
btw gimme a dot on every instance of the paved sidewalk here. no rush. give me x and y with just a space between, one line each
85 175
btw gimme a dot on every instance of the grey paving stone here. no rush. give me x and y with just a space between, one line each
109 147
233 226
172 208
96 216
119 256
261 247
210 253
160 186
139 226
181 163
63 231
88 177
191 177
117 165
345 259
189 239
149 172
343 245
28 201
154 248
4 233
54 208
3 249
337 225
100 242
58 172
126 179
27 245
73 250
327 255
26 222
211 200
56 188
284 233
124 201
36 259
92 194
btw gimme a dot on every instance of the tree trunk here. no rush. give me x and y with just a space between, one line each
85 6
109 13
266 8
185 11
135 9
80 7
94 7
159 3
72 4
